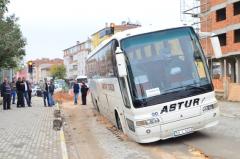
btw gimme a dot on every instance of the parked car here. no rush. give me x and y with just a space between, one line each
36 91
58 87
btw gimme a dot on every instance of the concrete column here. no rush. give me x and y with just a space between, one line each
233 72
225 83
237 70
222 68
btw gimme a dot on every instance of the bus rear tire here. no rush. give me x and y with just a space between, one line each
118 121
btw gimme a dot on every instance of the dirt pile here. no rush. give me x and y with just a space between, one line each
61 97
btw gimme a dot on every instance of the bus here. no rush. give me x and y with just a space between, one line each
153 83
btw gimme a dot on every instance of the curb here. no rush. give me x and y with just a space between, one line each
62 137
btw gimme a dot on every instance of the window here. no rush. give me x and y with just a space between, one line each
236 8
101 64
222 39
221 14
237 36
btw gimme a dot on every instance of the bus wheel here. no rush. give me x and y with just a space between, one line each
96 106
119 125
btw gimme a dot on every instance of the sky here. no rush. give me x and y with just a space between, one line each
50 26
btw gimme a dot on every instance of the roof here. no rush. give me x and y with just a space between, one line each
119 27
132 32
80 43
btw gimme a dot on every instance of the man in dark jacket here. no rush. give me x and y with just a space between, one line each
6 94
84 90
30 92
20 90
26 89
76 89
51 92
13 88
45 90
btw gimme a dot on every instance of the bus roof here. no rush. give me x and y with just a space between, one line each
132 32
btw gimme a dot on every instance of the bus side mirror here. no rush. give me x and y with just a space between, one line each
216 46
121 65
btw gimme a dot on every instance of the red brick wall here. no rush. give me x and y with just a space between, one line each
215 2
213 25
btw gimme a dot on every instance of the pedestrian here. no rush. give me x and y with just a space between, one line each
76 90
6 94
30 92
20 91
13 89
51 92
26 90
84 91
44 87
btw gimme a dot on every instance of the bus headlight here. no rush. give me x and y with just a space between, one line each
209 107
147 122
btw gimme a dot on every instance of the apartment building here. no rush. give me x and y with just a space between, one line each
222 17
75 57
104 33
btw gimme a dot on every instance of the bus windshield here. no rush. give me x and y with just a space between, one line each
163 62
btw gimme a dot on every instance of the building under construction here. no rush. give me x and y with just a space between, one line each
221 17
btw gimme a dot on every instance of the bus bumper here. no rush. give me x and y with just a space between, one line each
165 131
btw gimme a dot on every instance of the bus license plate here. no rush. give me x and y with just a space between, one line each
183 132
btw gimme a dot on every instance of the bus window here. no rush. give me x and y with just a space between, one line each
147 51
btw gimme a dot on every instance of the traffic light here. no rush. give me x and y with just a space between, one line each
112 28
30 66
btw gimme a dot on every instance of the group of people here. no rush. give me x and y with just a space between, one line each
22 88
76 90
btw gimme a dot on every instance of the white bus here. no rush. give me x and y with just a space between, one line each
153 84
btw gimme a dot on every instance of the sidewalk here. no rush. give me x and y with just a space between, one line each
229 109
27 133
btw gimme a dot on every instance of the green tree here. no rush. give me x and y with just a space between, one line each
3 7
58 71
12 42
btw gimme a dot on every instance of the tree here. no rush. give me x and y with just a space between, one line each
58 71
12 42
3 7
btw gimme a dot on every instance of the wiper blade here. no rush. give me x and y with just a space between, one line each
176 88
195 87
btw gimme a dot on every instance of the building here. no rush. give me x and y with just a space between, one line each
102 34
221 17
41 68
75 57
6 73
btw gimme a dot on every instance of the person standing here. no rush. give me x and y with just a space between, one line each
76 89
51 92
45 91
84 91
13 88
6 94
20 90
29 92
26 89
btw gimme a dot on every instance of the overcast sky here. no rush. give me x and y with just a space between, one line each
51 26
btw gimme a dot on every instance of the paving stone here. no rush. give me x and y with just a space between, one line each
27 133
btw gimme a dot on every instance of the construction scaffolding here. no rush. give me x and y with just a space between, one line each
194 13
